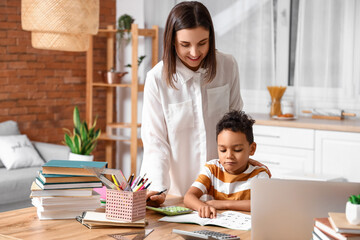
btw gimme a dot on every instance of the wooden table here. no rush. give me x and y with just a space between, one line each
24 224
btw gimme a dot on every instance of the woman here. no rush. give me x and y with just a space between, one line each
185 95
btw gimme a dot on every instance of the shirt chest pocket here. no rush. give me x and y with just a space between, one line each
218 100
180 115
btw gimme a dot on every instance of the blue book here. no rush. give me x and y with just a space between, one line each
58 178
70 167
47 186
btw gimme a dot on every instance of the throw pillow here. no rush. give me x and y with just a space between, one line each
18 152
8 128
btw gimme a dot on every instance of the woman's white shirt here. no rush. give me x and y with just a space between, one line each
179 125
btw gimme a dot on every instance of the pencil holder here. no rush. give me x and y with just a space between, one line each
125 205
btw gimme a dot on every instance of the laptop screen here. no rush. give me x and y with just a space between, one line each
285 209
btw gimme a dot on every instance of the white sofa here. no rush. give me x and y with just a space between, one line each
15 183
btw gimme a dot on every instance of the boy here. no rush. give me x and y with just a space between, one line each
228 178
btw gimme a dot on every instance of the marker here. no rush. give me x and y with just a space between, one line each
116 184
157 194
130 179
134 182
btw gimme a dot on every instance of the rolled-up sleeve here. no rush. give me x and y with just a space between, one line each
156 159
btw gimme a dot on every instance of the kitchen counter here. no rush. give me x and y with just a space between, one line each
349 124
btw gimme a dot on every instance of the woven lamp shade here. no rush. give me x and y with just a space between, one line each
60 24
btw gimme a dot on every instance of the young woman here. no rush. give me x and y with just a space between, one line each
185 95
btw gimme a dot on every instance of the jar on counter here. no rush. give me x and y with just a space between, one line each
287 107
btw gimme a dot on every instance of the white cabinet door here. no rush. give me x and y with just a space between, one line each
285 150
284 161
338 153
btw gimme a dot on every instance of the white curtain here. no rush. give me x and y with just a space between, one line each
327 69
244 28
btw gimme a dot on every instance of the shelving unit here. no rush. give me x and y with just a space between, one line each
110 34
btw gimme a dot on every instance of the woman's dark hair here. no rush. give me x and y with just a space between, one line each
187 15
236 121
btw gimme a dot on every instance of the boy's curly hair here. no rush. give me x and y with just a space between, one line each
236 121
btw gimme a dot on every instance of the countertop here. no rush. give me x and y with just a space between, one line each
349 124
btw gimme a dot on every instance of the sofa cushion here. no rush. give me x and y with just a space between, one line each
17 151
8 128
15 184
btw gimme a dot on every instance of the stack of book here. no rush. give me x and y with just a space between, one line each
64 189
335 227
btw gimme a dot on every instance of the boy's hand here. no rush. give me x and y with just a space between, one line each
206 211
155 200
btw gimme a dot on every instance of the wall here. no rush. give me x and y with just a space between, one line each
39 88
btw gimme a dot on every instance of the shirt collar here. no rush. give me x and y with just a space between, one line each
183 73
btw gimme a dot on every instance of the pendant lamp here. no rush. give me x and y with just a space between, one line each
63 25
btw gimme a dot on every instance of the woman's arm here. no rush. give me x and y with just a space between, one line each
191 200
240 205
156 155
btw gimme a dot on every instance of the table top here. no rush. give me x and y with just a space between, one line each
24 224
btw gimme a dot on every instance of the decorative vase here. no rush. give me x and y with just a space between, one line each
79 157
353 213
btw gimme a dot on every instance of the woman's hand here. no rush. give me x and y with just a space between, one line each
155 200
206 211
259 164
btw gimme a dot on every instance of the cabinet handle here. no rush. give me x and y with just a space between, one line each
264 135
271 163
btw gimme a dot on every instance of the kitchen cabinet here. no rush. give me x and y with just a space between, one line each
308 148
285 150
338 153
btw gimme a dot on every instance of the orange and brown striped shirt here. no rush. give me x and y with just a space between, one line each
215 181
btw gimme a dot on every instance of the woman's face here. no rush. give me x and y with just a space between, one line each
192 46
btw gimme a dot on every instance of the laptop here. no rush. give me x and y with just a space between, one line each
285 209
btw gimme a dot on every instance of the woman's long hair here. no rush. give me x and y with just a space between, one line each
187 15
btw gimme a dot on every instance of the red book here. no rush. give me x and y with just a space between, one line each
324 225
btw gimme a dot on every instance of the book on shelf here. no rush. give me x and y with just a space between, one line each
92 219
71 167
227 219
323 225
36 191
340 224
59 178
47 186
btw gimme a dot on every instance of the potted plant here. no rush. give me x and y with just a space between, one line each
124 25
353 209
81 140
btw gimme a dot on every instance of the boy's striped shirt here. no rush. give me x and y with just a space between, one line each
215 181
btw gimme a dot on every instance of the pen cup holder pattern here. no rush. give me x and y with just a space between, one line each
125 205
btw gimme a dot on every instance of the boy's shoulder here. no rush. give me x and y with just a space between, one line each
256 170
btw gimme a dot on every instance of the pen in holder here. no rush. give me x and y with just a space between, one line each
125 205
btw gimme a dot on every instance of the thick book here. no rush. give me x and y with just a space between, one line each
47 186
65 207
227 219
62 214
340 224
71 167
324 225
59 178
93 219
68 200
36 191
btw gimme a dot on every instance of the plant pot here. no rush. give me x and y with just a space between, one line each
79 157
353 213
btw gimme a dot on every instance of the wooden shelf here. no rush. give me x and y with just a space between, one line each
134 86
124 85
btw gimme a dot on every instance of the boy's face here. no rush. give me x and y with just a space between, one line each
234 151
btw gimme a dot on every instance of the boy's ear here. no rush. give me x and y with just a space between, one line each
252 148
